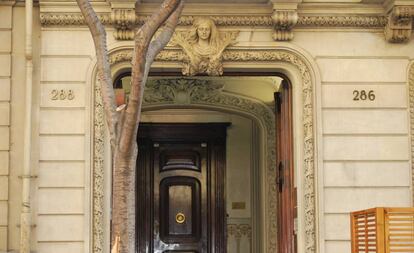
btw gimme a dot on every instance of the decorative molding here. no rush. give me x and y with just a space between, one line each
98 182
251 107
342 21
400 23
239 230
411 101
314 21
69 19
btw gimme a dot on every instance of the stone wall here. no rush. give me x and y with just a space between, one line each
365 145
362 146
5 83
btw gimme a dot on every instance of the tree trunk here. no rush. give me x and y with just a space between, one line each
123 121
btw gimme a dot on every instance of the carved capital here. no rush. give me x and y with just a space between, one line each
123 20
284 21
399 26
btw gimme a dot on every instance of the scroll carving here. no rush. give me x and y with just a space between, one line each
284 21
203 46
399 26
123 21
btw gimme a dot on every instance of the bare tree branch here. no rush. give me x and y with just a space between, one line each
123 211
142 40
104 72
162 39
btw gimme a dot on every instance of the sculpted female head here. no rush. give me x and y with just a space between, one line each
204 29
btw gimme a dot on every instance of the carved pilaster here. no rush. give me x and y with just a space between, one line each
399 26
123 19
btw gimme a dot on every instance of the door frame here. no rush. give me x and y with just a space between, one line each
214 138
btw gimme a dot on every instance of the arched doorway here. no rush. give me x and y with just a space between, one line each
298 69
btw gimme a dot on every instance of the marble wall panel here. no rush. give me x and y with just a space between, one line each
363 70
61 174
366 148
60 201
62 148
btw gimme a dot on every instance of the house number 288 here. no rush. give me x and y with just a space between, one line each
363 95
62 95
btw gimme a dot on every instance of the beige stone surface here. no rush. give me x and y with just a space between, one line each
62 148
4 114
67 42
369 121
238 166
363 70
366 148
386 96
60 247
358 174
4 188
5 38
57 121
60 201
61 228
48 100
354 199
337 246
5 17
350 44
3 213
337 227
61 174
5 62
4 138
4 163
3 238
64 69
4 89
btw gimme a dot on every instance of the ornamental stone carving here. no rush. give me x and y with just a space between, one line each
180 91
284 21
411 101
123 20
399 26
203 46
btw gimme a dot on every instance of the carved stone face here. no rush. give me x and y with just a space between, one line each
203 31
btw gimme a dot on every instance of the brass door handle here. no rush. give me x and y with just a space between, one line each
180 218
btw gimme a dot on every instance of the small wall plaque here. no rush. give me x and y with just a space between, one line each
238 205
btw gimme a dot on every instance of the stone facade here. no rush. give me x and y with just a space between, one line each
350 65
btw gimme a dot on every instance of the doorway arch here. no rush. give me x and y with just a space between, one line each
297 68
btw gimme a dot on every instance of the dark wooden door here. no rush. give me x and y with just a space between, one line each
287 207
180 182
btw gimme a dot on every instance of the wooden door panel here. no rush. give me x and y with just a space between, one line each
285 172
180 159
180 210
180 187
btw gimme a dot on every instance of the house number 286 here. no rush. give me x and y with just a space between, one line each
363 95
62 95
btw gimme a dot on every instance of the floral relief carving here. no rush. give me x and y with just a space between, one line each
196 91
180 91
374 21
411 94
203 46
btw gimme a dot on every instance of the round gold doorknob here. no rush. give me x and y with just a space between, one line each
180 218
